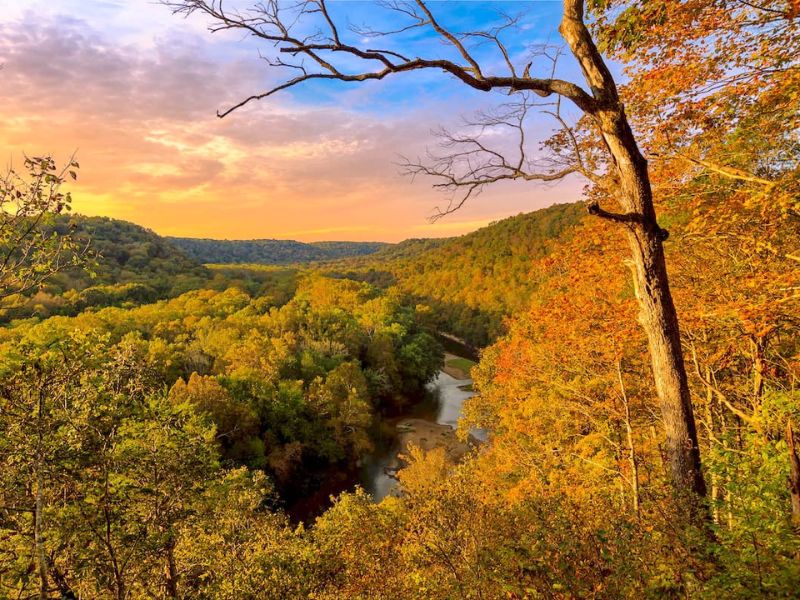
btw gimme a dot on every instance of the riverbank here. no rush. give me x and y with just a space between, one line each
413 432
457 367
436 429
427 436
427 424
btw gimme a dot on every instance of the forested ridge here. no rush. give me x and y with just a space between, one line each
131 265
459 277
269 252
639 369
128 264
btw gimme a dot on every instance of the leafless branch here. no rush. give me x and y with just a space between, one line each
318 49
322 44
492 147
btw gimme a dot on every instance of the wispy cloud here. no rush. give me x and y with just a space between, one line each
136 93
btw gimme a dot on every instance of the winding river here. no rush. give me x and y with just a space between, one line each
428 424
431 425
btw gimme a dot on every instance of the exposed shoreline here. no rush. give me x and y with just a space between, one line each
427 433
427 436
453 371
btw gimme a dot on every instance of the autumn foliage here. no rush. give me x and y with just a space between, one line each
173 445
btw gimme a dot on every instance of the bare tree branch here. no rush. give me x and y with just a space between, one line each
266 21
493 147
719 169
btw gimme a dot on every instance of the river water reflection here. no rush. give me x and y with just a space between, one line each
447 399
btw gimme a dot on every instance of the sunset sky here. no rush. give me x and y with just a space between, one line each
134 90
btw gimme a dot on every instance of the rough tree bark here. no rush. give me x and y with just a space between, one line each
658 316
794 476
171 570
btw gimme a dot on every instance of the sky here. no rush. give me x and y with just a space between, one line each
133 90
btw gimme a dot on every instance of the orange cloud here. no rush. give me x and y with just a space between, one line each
142 119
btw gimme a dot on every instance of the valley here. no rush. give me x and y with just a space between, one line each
339 392
400 300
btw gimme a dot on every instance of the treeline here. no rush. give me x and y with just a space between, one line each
128 265
457 277
270 252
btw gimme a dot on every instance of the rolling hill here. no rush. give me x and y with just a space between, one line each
459 276
129 264
456 276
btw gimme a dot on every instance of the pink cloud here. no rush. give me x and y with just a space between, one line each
152 150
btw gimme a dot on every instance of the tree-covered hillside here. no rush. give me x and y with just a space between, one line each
127 252
270 252
473 281
128 264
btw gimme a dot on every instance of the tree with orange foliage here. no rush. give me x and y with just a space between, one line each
330 56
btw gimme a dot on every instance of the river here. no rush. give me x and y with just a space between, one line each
430 425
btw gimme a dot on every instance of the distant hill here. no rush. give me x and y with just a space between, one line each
127 253
409 248
475 280
130 265
472 282
270 252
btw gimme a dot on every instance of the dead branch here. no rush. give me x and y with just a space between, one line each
323 46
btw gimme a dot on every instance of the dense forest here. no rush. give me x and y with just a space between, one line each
131 265
639 359
458 277
270 252
126 264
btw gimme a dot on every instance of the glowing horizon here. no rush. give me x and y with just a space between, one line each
134 92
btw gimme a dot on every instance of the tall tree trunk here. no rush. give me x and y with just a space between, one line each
710 423
658 316
759 344
38 517
38 538
794 475
171 570
660 322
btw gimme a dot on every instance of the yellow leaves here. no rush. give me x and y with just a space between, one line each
425 470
